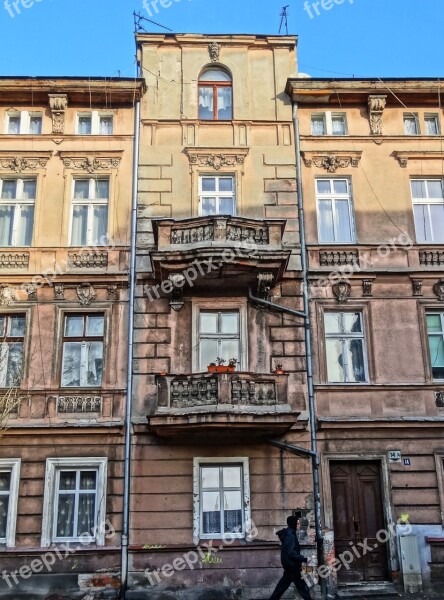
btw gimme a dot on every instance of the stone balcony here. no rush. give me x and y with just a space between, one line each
256 404
234 244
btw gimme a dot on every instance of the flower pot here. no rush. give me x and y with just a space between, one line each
279 372
220 369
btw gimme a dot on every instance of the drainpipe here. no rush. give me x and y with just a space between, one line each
129 384
308 350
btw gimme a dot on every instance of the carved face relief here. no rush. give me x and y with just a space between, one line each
438 288
342 290
86 293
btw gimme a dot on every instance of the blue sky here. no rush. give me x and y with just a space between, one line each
361 38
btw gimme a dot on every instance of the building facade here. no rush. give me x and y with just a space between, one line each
66 154
372 176
216 373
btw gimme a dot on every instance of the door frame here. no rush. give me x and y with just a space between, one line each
387 502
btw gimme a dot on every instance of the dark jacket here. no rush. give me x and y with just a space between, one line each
291 556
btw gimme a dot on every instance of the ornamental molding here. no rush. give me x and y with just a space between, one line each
10 260
86 294
58 104
217 158
417 287
79 404
333 160
404 157
367 288
6 295
24 162
342 290
90 164
439 399
214 51
376 106
87 260
59 292
438 288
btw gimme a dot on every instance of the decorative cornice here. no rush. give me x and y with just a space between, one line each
404 157
58 104
91 163
217 157
22 162
332 160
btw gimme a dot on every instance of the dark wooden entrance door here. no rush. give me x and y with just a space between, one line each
358 516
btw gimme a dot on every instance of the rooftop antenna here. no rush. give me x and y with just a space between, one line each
139 19
284 19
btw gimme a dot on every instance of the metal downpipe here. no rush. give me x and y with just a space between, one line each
129 385
308 350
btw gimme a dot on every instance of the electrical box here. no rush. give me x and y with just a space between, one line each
410 563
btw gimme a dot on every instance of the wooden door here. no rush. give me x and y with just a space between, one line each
357 517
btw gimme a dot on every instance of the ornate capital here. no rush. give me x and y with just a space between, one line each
376 105
86 293
342 290
214 51
332 161
21 163
90 164
58 104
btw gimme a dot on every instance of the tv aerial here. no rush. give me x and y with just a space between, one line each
284 19
139 19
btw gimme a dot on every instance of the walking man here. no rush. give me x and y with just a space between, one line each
291 559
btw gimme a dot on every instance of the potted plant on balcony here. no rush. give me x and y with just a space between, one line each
278 370
221 368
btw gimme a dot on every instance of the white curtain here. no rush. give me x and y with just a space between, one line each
206 98
6 221
79 225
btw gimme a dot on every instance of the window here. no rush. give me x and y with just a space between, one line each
216 196
219 337
431 124
435 332
215 95
335 214
9 487
95 123
74 502
221 493
17 199
345 347
428 208
90 212
24 122
82 362
12 333
411 124
328 123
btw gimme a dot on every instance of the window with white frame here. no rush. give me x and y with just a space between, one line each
9 487
17 200
216 195
221 492
74 501
428 208
345 347
335 211
435 333
95 123
431 122
219 337
23 122
90 212
328 123
82 356
411 124
12 333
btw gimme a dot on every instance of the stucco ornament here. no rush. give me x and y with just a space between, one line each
58 104
86 293
367 287
214 50
376 106
32 291
439 399
417 287
59 292
6 295
342 290
438 288
20 163
91 164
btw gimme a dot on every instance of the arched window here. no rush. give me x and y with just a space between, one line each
215 95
